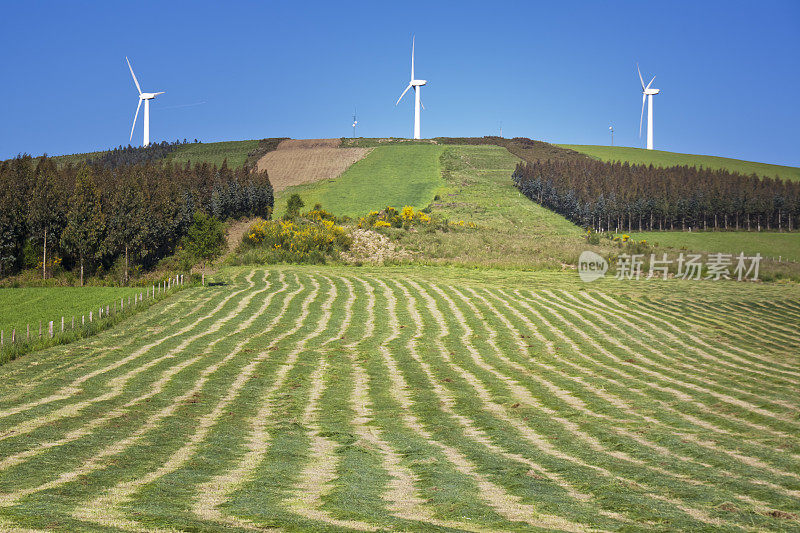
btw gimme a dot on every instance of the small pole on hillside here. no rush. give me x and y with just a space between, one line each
13 335
50 329
62 324
203 279
612 134
28 334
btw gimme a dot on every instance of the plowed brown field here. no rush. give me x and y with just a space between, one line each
298 161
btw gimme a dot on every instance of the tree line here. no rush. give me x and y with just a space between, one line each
106 214
621 196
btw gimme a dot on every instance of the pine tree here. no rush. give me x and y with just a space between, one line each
84 230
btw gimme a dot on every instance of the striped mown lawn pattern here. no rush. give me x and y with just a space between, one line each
305 399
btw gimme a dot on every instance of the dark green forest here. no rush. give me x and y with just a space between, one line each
126 210
624 197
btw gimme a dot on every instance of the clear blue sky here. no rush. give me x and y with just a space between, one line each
556 71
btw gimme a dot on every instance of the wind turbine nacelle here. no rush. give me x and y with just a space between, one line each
418 83
652 91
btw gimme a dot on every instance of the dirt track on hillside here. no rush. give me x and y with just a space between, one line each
298 161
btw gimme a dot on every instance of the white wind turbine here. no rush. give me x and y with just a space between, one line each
146 97
416 84
647 94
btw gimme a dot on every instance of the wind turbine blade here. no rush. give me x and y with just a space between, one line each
420 103
412 56
644 97
134 76
135 117
402 95
651 82
156 94
640 75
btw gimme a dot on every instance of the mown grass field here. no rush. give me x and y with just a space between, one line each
361 399
395 175
215 153
22 306
512 231
778 245
668 159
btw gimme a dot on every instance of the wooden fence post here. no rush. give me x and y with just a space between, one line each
108 309
62 324
1 337
50 329
73 322
28 335
90 316
13 335
40 329
83 320
203 279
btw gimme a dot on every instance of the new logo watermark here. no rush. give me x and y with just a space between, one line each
717 266
591 266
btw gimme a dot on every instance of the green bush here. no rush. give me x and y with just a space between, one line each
205 237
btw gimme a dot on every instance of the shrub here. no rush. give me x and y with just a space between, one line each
205 237
293 206
406 218
305 240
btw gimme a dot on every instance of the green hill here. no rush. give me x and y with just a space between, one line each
668 159
394 175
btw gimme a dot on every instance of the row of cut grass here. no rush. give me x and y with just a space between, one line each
512 409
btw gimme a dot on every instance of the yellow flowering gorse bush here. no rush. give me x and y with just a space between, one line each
302 240
407 218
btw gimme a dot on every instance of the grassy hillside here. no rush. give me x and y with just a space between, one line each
21 306
309 399
512 231
215 153
668 159
395 175
784 245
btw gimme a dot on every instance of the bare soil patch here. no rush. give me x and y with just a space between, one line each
298 161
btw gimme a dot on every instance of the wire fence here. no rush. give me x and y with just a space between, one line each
65 329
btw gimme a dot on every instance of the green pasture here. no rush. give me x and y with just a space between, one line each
29 305
784 246
667 159
395 175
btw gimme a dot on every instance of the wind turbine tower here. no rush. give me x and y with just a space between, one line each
416 84
355 122
647 94
146 97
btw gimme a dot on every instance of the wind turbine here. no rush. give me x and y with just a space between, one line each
647 94
146 97
355 123
416 84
